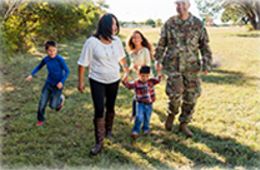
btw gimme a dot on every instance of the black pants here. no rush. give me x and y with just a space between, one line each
103 95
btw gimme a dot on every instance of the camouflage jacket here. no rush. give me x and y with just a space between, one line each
180 43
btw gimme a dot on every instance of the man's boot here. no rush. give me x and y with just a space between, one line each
99 124
185 130
169 122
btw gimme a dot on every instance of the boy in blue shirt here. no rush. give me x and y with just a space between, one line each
58 72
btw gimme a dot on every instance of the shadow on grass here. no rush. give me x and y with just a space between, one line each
228 77
68 136
233 154
162 115
252 35
169 142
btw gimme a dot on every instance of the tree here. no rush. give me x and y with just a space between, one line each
209 8
247 10
30 23
238 11
150 22
8 7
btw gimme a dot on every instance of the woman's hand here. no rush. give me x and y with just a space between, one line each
136 67
125 65
81 87
81 73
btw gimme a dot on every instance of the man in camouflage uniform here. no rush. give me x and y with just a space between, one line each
182 38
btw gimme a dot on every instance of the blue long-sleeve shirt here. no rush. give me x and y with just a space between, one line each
58 70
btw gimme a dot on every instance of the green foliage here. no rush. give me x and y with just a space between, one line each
36 21
208 8
151 22
232 14
245 11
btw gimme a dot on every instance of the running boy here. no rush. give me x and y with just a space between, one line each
58 72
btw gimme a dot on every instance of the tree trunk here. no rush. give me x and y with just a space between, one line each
257 26
255 22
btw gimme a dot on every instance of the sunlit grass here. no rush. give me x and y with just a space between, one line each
226 122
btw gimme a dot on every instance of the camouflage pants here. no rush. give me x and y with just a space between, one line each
183 90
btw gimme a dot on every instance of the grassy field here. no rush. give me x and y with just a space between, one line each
226 123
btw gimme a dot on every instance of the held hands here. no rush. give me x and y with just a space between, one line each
59 85
205 73
125 78
126 70
158 67
29 78
136 67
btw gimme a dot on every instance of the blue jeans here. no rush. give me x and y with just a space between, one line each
49 93
143 117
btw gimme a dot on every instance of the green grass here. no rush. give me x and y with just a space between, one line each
226 122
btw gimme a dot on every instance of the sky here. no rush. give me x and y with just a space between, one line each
141 10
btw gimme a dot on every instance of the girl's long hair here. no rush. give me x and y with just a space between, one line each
145 42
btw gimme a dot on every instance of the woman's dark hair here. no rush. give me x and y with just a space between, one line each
50 43
145 42
104 27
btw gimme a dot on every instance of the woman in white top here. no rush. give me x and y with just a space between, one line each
140 55
103 53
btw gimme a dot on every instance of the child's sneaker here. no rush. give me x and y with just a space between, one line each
134 135
39 123
62 103
147 132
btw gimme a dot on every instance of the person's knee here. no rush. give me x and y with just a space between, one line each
174 85
139 118
110 110
191 96
53 105
99 112
188 108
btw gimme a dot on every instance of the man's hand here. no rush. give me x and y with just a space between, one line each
158 67
81 87
29 78
59 85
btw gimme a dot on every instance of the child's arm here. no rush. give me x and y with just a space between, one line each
157 79
127 84
67 72
35 70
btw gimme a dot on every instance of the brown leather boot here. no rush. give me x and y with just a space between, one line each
169 122
185 130
99 124
109 124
